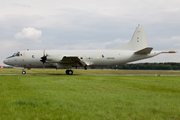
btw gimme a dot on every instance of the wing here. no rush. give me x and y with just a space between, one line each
65 60
74 60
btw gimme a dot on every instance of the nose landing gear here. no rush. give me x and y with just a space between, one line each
69 72
23 72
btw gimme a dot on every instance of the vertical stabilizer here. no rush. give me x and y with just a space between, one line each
138 41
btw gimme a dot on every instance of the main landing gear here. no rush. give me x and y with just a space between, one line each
69 72
23 72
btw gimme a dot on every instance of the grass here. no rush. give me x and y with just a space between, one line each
89 97
90 71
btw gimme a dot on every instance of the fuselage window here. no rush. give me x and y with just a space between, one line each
32 56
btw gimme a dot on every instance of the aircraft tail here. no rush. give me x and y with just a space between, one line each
138 41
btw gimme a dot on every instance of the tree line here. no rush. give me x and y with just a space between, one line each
144 66
137 66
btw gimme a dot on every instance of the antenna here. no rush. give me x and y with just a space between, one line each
1 63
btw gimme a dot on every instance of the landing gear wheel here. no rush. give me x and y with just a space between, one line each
23 72
69 72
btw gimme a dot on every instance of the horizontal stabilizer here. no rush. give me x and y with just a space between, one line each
146 50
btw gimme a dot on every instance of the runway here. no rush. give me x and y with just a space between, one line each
101 74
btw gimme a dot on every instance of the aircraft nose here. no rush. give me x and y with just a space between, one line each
5 61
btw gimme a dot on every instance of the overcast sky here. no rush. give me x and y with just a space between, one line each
88 24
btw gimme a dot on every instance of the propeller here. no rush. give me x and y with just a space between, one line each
43 59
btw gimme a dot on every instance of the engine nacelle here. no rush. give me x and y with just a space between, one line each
53 58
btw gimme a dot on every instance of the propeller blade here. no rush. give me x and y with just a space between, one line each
44 52
43 59
43 66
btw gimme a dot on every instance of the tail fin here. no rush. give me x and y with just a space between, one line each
138 41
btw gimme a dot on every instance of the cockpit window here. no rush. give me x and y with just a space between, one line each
18 54
15 54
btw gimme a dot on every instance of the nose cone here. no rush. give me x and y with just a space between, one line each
5 61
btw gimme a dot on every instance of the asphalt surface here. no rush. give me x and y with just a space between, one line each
104 74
